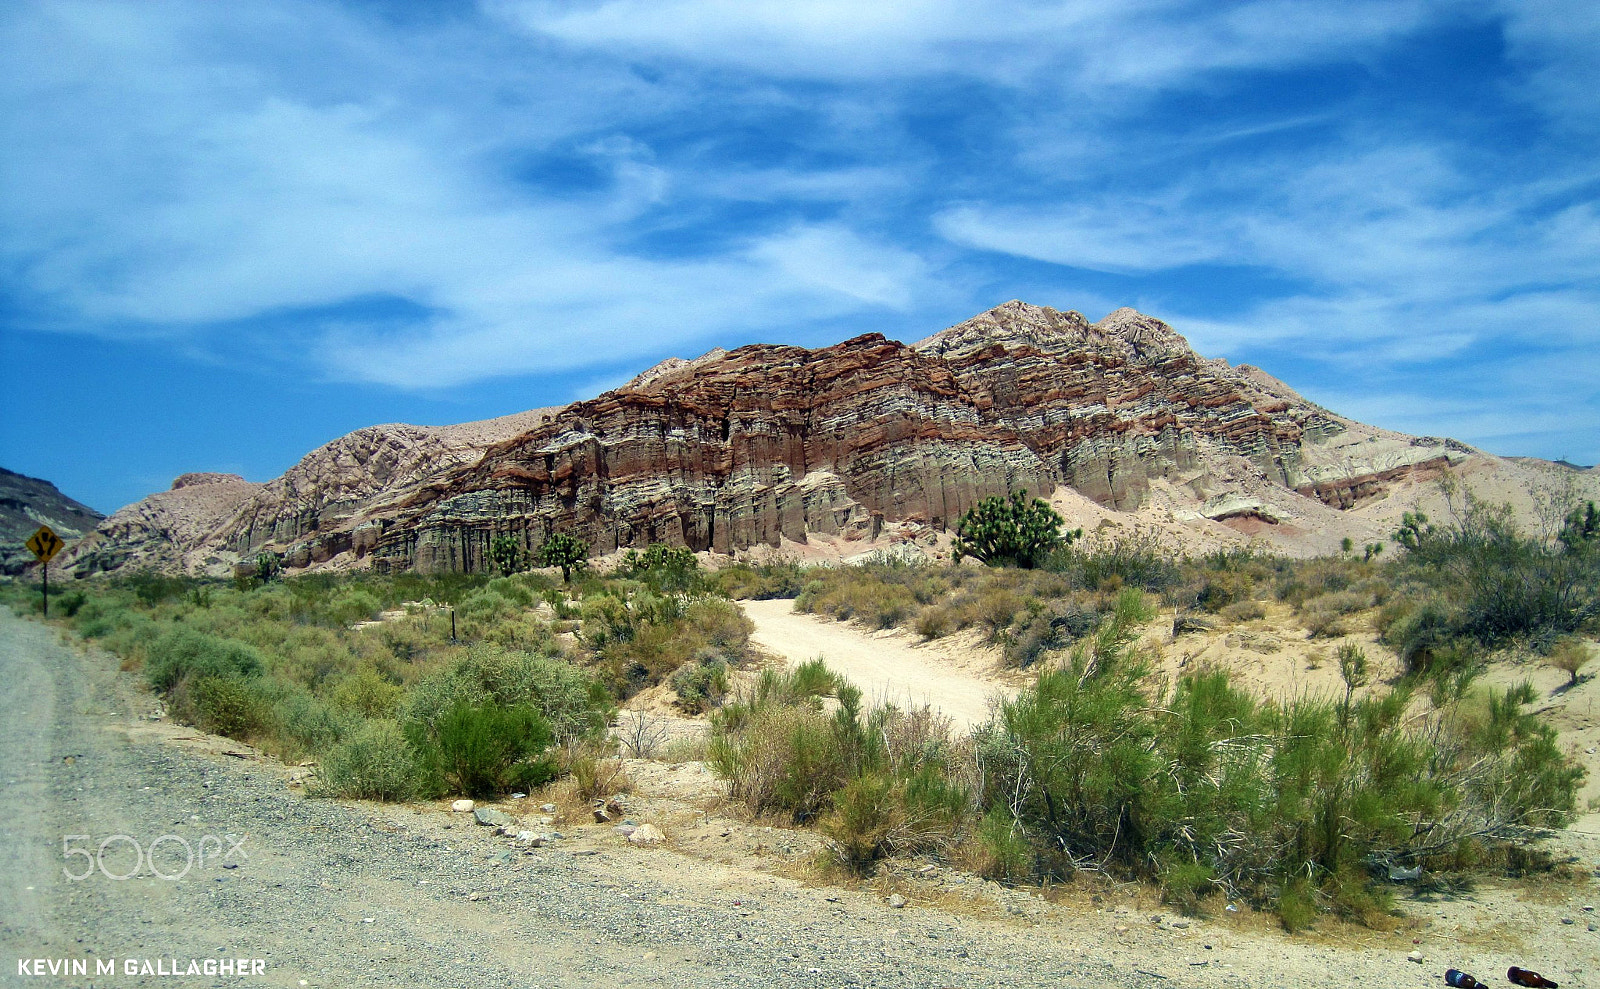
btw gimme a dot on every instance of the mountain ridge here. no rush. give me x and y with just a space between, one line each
867 442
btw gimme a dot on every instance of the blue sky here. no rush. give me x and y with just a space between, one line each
232 232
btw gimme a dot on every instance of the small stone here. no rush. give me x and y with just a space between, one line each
1121 928
896 901
489 817
1587 908
463 806
547 808
1415 956
1180 924
1567 920
646 834
625 829
518 796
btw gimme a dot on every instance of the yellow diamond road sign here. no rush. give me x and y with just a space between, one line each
45 544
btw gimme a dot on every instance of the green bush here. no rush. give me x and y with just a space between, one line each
374 762
221 705
183 652
484 751
702 682
573 704
1496 585
1094 764
1185 883
1133 560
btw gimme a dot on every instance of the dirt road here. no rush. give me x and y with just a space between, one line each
368 895
884 665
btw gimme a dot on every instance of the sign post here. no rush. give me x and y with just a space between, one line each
45 545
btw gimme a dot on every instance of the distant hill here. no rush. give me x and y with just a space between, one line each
29 502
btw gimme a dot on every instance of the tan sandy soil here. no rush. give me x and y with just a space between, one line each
887 666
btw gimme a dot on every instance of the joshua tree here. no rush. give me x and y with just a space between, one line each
507 555
1011 532
565 551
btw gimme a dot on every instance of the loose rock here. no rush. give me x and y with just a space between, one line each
463 806
647 834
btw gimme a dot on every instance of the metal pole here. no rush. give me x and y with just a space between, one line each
47 588
452 626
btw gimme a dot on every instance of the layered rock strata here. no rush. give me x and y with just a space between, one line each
767 443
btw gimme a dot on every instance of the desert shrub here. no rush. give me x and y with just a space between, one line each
778 578
374 762
1139 559
1222 588
301 723
1418 628
936 622
701 683
1296 905
995 609
1185 883
721 624
1569 655
1097 767
1323 615
486 604
1497 585
183 652
785 759
152 588
1244 611
484 751
572 703
351 605
368 694
595 772
220 705
877 814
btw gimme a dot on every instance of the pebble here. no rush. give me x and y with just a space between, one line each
1415 956
463 806
548 808
896 901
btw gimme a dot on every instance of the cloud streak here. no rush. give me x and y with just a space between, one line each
536 188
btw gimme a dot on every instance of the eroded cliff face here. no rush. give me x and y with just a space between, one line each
722 453
765 443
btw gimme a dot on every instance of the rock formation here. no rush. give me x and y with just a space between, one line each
26 503
771 443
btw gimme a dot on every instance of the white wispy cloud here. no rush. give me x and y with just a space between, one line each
188 172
